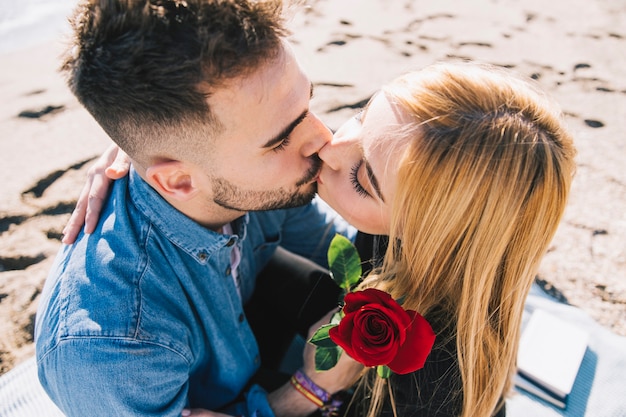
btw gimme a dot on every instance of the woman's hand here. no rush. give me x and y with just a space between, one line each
342 376
289 402
112 165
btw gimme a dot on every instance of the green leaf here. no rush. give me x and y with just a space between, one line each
336 318
383 371
344 262
321 338
326 357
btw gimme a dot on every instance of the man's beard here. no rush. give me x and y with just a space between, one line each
231 197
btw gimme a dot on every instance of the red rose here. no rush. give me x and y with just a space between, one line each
376 330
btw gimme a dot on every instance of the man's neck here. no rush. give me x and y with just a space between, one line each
213 217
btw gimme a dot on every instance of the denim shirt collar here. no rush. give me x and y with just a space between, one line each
193 238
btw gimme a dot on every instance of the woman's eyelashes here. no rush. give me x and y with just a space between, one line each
354 179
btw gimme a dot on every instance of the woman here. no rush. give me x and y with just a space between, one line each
466 168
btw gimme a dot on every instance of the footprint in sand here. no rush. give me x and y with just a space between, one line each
357 105
593 123
18 263
25 222
37 114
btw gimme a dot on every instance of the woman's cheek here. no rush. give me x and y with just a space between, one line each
361 212
342 198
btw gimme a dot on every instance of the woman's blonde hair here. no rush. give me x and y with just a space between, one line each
482 186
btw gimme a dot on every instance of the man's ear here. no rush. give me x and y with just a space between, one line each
172 179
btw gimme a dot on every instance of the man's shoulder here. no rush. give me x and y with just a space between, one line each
92 287
102 299
83 293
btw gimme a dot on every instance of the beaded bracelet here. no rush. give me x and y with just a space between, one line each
329 404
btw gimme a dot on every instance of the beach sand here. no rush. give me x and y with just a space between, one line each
576 50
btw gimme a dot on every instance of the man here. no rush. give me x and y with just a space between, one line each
144 316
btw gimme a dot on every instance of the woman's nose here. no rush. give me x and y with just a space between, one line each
337 151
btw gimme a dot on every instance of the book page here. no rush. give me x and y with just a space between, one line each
551 351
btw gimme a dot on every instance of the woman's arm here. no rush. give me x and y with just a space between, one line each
289 402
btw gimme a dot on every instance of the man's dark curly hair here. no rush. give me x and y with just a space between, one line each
144 68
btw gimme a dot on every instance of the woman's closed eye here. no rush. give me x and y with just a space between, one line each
354 179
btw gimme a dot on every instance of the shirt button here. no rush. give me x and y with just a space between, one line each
228 271
202 256
241 318
230 242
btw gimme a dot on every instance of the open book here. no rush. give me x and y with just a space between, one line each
550 353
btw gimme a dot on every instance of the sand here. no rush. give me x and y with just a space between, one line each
576 49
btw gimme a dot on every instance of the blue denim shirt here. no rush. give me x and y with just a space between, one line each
142 317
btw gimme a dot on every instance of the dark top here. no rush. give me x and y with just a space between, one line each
433 391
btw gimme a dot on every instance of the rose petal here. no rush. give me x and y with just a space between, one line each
373 347
342 335
413 353
396 320
356 300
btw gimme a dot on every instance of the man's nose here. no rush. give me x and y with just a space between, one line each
319 135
